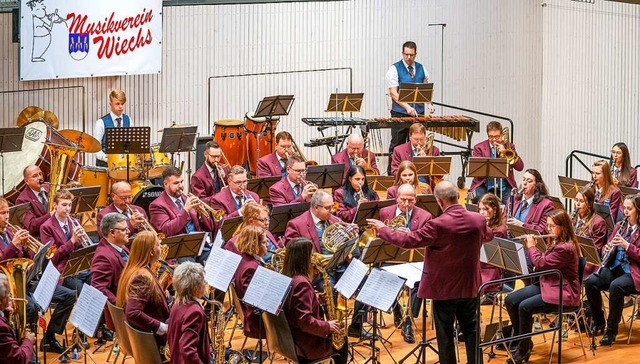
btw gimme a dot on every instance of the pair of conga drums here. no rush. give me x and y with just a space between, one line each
245 141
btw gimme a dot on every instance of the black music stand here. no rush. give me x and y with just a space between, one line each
281 214
229 227
39 260
429 203
415 93
178 139
261 185
557 204
184 245
517 231
10 141
605 212
432 165
341 254
510 251
16 213
370 210
626 191
79 260
380 183
378 251
326 176
571 186
84 199
269 107
589 250
131 140
343 103
484 168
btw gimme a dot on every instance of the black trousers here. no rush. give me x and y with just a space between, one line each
76 282
521 305
398 136
445 313
64 299
619 284
340 356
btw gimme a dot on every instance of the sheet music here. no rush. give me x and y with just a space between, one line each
351 278
412 272
46 286
371 293
483 255
522 255
267 290
218 241
220 268
86 315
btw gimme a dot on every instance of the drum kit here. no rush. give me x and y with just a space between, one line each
246 141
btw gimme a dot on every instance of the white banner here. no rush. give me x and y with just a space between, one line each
82 38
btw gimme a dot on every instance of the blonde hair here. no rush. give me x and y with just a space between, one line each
117 95
249 239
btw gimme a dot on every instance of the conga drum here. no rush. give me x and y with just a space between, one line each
229 134
259 128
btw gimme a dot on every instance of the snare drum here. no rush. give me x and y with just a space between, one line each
117 164
96 176
160 162
229 134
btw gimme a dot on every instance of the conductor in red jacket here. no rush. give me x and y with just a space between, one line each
452 243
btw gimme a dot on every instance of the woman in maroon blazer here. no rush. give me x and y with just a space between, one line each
588 224
252 245
530 206
607 193
255 215
311 334
354 190
145 304
562 254
621 168
407 173
489 207
12 349
188 335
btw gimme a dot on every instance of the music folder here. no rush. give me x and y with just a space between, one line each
429 203
370 210
185 245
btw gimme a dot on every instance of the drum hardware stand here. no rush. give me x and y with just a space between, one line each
133 140
10 141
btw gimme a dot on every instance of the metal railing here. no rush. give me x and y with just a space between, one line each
560 311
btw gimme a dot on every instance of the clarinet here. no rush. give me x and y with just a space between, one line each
611 253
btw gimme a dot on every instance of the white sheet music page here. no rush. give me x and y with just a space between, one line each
267 290
46 286
412 272
380 290
522 255
220 268
352 277
483 254
86 315
218 241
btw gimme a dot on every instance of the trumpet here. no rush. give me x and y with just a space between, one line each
85 240
205 210
312 189
32 243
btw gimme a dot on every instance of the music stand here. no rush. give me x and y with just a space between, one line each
38 262
261 185
513 256
571 186
380 183
432 165
429 203
605 212
10 141
518 231
471 207
184 245
415 93
378 251
281 214
341 254
16 213
178 139
370 210
347 102
326 176
557 204
229 227
589 250
484 168
84 199
131 140
274 106
79 260
626 191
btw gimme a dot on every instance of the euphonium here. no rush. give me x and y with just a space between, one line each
16 272
32 243
509 154
205 210
337 339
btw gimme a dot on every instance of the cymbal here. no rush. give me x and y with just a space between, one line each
85 142
48 117
27 115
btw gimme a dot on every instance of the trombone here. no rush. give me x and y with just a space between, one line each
144 224
32 243
205 210
85 240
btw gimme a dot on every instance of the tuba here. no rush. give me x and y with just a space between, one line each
509 154
16 272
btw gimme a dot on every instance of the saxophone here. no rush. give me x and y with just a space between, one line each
218 339
337 339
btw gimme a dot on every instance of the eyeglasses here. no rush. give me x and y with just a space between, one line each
299 171
494 137
124 197
121 229
240 183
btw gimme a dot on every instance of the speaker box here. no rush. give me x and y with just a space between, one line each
200 145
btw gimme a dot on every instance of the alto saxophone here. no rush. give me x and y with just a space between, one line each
218 339
337 339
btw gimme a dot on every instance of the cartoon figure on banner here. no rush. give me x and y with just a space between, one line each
43 22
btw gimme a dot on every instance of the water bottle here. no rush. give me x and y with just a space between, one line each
565 331
116 349
74 356
536 325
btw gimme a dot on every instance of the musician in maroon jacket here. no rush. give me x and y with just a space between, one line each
353 192
415 217
110 258
415 147
530 206
293 188
589 224
311 224
311 334
139 293
491 148
620 274
211 177
274 164
121 196
13 350
256 215
36 194
173 213
12 243
621 168
562 254
231 199
355 155
452 243
606 192
489 208
188 335
252 244
66 234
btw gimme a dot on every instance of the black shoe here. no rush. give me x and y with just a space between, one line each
65 358
628 302
522 354
99 342
608 339
596 330
397 318
34 360
407 332
107 334
53 346
357 332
